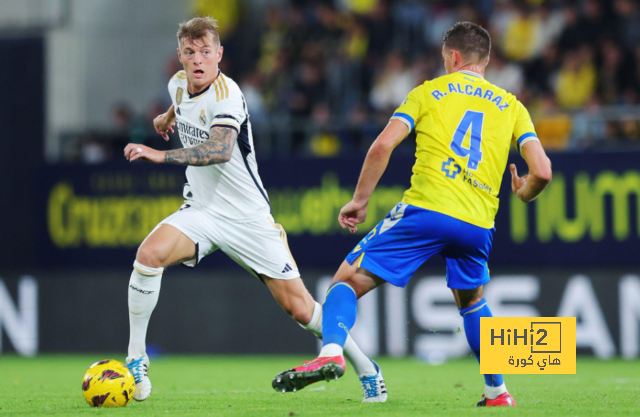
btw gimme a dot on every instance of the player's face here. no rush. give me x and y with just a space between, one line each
200 60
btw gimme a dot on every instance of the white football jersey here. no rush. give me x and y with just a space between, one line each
232 189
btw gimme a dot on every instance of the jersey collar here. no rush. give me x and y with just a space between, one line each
471 73
192 96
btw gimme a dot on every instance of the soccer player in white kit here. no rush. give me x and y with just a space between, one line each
226 206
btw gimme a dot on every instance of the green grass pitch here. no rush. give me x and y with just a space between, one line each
238 386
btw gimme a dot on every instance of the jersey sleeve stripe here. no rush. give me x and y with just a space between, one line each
405 118
225 85
215 84
223 124
180 74
221 87
526 138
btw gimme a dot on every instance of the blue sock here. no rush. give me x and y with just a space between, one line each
339 313
471 316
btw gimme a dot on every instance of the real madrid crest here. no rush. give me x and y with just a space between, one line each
179 95
203 118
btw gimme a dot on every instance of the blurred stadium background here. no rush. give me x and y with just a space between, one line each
84 77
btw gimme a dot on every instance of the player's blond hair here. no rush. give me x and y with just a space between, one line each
198 28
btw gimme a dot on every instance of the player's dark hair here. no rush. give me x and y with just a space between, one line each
198 28
469 39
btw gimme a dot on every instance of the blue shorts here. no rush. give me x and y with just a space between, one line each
410 235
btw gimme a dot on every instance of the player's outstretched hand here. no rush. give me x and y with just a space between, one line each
517 183
351 215
164 125
135 151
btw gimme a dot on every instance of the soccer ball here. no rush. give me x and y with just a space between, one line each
108 383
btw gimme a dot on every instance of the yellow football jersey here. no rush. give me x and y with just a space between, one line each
464 127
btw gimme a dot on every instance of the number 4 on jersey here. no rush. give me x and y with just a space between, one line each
471 120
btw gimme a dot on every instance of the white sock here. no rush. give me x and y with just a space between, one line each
494 392
331 349
315 325
144 288
360 362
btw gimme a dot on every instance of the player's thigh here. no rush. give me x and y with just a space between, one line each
467 257
399 245
260 246
165 246
186 236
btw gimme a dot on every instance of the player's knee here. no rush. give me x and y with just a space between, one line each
468 298
151 256
472 299
357 288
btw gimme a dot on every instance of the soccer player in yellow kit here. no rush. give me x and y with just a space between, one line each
465 127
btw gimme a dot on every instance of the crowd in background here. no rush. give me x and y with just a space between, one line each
321 78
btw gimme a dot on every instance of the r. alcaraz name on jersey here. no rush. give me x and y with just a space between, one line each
464 126
232 190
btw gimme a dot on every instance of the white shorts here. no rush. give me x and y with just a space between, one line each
259 246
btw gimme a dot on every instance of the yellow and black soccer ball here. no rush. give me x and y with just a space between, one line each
108 383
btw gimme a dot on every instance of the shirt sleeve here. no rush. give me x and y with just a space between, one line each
172 92
226 108
410 110
523 131
176 91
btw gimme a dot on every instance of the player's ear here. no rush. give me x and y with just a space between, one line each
486 62
456 58
220 51
179 54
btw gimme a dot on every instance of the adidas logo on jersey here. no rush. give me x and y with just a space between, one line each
287 268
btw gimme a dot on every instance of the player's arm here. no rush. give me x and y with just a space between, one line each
217 150
164 123
528 187
374 166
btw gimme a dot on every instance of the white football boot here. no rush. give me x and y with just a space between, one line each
140 370
373 387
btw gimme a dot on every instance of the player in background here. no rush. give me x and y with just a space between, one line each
465 126
226 206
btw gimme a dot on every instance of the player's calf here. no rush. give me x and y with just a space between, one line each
473 307
293 297
144 288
